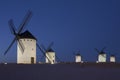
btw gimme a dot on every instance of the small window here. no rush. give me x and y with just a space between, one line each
31 40
28 40
24 39
32 49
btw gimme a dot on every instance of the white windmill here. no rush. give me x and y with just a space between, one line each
29 54
50 56
101 55
112 58
26 42
78 57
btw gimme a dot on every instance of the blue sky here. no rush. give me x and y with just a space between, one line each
71 24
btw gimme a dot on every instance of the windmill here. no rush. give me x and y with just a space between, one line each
26 42
102 55
112 57
78 57
49 54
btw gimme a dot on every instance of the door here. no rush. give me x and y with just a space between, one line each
32 60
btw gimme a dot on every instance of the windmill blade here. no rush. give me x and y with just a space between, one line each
25 21
97 50
9 46
42 51
103 49
43 47
49 46
111 54
58 58
21 46
104 56
12 27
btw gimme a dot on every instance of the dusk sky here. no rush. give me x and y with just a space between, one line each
73 25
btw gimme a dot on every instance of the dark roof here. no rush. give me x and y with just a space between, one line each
26 34
102 52
50 50
112 55
78 54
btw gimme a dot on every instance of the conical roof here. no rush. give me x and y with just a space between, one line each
50 50
102 52
26 34
78 54
112 55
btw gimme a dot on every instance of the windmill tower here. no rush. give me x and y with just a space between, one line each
112 58
29 54
26 42
78 57
51 56
101 55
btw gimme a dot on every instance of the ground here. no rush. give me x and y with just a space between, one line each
61 71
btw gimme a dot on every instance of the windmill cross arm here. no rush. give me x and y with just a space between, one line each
42 51
25 21
10 46
12 27
97 50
